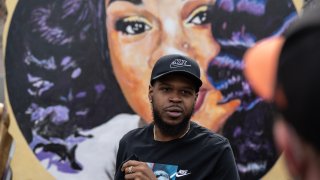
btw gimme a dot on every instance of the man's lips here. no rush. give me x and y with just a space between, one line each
174 111
201 95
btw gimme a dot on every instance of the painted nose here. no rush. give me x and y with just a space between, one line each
172 40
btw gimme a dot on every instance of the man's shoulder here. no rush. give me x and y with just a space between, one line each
139 132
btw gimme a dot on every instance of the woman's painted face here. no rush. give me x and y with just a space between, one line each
140 32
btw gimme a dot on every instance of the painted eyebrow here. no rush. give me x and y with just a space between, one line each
135 2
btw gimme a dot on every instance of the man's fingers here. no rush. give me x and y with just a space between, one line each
130 163
137 170
129 170
136 176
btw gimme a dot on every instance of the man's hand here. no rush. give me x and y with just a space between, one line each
137 170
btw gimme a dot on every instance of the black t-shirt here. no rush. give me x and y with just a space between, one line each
200 154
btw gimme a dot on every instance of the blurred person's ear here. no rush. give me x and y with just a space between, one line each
292 147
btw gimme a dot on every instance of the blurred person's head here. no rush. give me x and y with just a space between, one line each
291 80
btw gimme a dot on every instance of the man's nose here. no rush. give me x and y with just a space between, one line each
175 97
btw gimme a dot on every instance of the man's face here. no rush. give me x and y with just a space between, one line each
139 33
173 98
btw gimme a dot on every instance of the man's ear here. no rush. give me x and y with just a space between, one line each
150 94
290 144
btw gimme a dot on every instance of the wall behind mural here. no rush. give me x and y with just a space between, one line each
77 75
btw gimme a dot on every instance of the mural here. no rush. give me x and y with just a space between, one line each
77 74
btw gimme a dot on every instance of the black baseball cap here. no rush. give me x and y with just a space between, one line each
176 63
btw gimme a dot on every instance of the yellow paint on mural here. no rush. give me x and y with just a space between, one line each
24 164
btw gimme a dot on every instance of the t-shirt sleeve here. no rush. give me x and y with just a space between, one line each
226 165
123 156
120 159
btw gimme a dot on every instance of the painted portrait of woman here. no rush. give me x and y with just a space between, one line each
77 75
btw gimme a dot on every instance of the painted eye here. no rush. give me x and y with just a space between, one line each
133 25
199 16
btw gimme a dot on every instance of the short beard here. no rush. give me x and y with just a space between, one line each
167 129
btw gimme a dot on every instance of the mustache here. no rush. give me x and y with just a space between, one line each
174 107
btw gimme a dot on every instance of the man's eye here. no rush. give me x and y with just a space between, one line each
199 16
133 25
165 89
184 92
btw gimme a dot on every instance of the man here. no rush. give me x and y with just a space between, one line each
172 146
291 79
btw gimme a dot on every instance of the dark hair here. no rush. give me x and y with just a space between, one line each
57 56
237 25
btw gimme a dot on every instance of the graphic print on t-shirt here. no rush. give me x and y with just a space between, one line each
166 171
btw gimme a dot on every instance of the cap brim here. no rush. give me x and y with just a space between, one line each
197 81
261 62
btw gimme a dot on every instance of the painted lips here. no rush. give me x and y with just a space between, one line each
201 96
